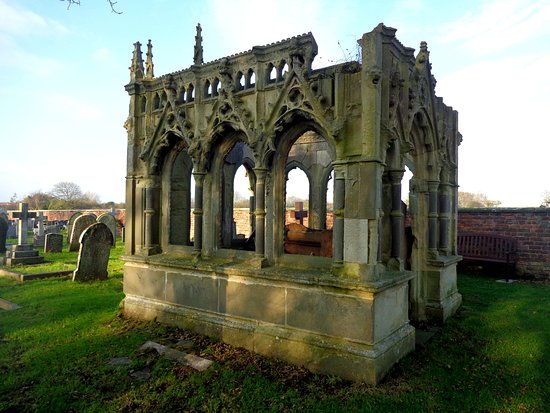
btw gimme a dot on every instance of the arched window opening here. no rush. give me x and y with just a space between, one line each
329 216
308 178
156 102
180 200
283 70
297 197
243 205
407 176
271 73
181 95
216 87
207 89
240 81
163 99
190 93
250 79
237 202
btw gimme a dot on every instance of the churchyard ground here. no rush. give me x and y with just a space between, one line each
56 350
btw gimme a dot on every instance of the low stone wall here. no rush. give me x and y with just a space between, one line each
64 214
530 226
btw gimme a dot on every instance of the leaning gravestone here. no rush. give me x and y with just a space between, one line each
53 243
110 221
80 224
93 257
4 224
70 225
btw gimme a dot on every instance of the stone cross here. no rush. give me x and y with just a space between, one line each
299 212
23 215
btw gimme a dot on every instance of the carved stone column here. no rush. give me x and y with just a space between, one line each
260 211
396 214
150 212
198 211
444 217
433 215
338 223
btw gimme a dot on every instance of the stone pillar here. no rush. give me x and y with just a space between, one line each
338 223
433 216
396 214
260 211
150 211
198 210
444 218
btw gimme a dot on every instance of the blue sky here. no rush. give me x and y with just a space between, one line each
62 77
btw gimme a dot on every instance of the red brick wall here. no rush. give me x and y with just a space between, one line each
530 226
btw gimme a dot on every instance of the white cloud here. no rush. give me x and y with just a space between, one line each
500 25
15 57
17 21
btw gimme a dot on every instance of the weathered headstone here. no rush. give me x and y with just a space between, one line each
110 221
4 225
38 240
70 225
23 253
53 243
93 257
79 225
12 230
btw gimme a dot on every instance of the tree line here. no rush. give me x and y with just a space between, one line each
65 195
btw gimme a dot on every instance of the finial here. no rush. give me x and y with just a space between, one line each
197 58
149 65
136 69
423 55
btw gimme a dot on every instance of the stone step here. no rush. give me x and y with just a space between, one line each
22 254
24 260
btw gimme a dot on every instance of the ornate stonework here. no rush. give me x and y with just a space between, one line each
354 126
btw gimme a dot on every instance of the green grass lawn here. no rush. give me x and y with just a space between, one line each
493 356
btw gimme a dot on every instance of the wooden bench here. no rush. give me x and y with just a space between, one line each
488 248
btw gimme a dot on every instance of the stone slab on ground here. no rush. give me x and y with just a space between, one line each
196 362
37 276
8 305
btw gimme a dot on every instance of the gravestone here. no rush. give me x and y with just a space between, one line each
79 225
93 257
38 240
12 230
4 225
23 253
70 225
110 221
53 243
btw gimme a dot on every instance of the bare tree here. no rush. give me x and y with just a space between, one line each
66 191
545 200
112 3
471 200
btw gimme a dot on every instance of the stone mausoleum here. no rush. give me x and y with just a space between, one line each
355 128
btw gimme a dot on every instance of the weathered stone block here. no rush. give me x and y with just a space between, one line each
251 299
192 290
327 313
145 282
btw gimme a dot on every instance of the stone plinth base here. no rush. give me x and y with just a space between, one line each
328 325
24 255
